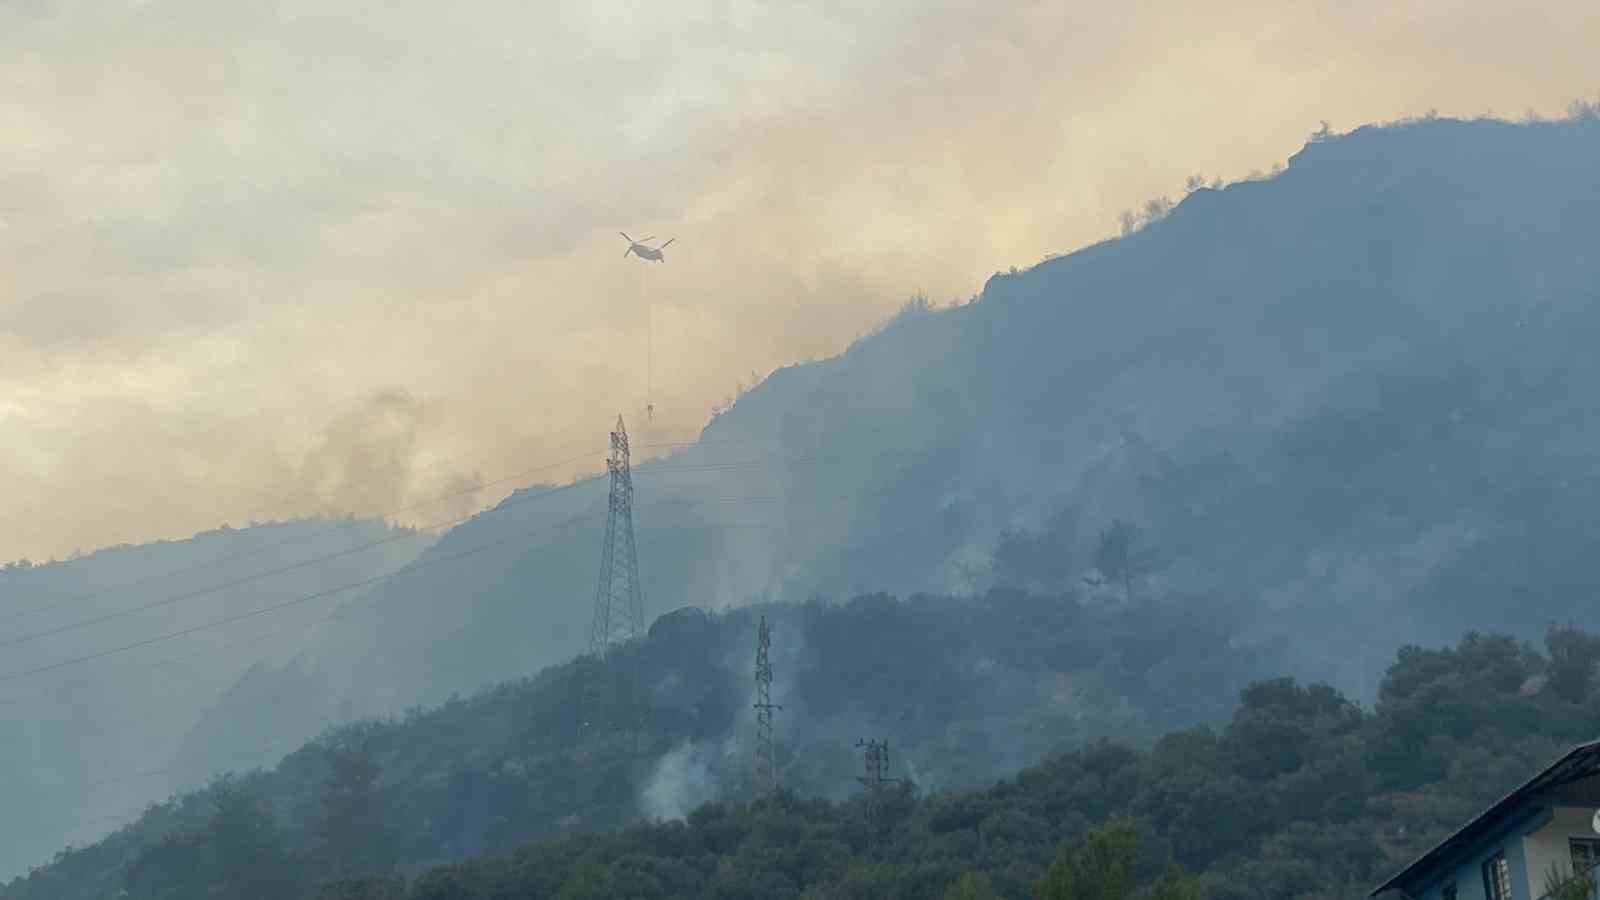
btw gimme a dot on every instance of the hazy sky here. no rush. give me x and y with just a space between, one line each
265 259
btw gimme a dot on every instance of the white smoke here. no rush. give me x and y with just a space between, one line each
684 779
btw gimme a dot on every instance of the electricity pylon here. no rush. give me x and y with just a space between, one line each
618 610
876 781
618 614
877 753
766 748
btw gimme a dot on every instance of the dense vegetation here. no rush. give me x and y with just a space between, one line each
1301 793
968 690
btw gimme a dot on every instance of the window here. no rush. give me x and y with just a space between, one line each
1585 854
1497 878
1449 892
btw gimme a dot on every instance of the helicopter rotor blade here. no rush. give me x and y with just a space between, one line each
625 236
627 251
664 246
642 240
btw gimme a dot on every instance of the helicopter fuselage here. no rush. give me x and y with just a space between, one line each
649 253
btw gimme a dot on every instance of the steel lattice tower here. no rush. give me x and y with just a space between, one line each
618 618
877 764
618 611
766 749
876 780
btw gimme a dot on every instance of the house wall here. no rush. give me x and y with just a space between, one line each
1509 838
1469 876
1548 845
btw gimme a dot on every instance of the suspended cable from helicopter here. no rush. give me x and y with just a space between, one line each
644 251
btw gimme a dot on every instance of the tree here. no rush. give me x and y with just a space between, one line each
363 889
1120 559
1034 561
971 886
1561 883
1105 866
250 852
177 866
354 830
1177 886
1573 655
1100 868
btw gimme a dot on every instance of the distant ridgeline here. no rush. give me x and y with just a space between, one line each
86 741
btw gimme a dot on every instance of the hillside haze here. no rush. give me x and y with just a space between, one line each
1353 393
1348 405
94 742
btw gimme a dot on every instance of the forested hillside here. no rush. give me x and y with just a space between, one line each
1352 397
967 690
89 744
1301 793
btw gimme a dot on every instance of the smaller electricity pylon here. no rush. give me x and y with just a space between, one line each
766 747
876 780
877 757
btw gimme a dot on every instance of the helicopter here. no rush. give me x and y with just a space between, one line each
638 248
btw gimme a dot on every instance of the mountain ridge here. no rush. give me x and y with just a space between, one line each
1350 398
1225 376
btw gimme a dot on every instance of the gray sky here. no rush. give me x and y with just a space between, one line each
270 259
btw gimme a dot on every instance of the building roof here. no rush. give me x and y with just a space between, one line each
1579 762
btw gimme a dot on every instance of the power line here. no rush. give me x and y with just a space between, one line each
296 601
713 467
133 817
219 622
306 535
434 636
260 576
287 498
251 551
410 569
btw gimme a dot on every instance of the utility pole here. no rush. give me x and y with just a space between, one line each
877 758
876 780
618 609
766 749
